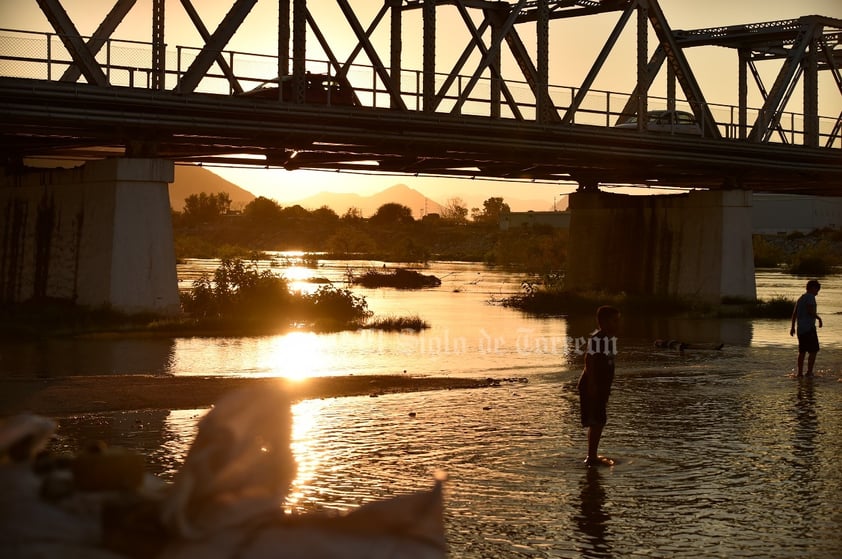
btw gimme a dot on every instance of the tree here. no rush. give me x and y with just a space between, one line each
492 210
206 208
325 215
392 213
295 212
455 211
352 214
262 211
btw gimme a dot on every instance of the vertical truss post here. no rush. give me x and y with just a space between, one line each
283 38
542 31
742 103
159 46
299 50
429 77
396 46
495 93
642 59
811 92
670 88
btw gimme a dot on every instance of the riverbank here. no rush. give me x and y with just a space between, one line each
95 394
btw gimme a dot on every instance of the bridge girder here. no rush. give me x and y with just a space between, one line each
807 46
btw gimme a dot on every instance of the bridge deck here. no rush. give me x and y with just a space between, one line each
52 119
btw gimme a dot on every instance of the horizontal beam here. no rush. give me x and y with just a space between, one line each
73 115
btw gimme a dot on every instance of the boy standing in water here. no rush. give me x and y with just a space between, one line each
804 316
595 382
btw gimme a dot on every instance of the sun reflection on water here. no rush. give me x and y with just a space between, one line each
297 355
300 279
305 431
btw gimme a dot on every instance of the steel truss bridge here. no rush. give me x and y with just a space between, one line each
491 113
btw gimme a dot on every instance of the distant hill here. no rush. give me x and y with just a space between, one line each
368 205
191 179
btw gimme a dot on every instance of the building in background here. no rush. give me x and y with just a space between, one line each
788 213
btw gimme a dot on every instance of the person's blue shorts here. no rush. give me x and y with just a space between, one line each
808 342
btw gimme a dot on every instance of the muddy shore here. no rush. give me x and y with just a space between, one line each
93 394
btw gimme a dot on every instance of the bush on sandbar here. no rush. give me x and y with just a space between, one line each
817 260
399 278
397 323
240 293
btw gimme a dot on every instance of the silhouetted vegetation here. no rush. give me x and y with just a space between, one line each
491 212
397 323
551 299
817 260
205 208
241 296
391 235
539 249
767 255
816 254
399 278
556 302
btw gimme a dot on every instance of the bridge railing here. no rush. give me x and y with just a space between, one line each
126 63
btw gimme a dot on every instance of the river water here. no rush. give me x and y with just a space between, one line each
719 453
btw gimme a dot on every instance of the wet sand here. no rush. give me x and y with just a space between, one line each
91 394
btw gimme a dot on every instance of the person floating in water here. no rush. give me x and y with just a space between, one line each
596 379
804 318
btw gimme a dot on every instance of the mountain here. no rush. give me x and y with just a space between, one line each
368 205
191 179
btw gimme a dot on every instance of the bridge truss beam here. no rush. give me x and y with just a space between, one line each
807 46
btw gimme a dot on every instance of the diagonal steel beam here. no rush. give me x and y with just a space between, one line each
827 50
69 35
486 60
771 111
384 9
656 61
217 41
598 63
530 74
476 38
476 41
339 74
683 72
101 35
379 67
764 94
206 37
835 133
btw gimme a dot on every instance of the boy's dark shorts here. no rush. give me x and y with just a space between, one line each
808 342
593 411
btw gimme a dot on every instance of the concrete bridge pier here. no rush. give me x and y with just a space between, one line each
696 245
98 235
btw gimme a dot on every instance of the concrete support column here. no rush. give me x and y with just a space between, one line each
97 235
695 245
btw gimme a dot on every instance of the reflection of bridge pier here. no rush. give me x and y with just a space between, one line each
696 244
98 235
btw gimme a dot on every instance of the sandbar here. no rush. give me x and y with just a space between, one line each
64 396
